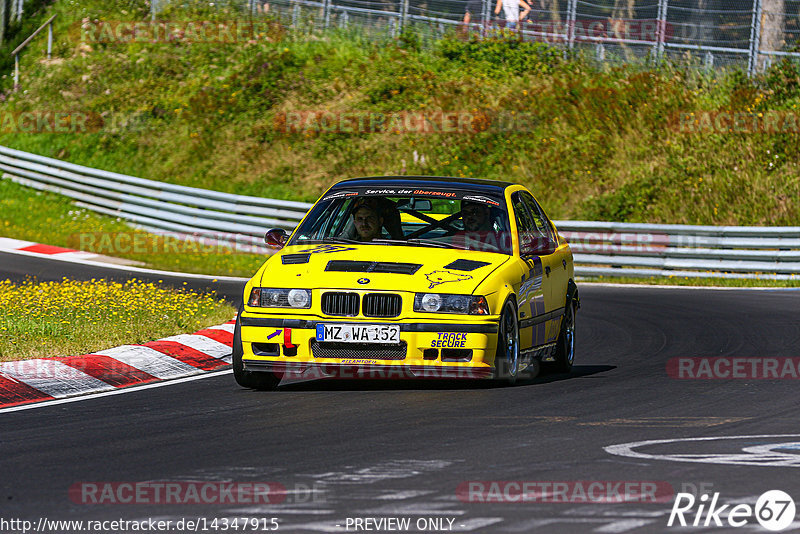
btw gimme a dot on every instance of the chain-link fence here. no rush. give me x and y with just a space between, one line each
746 33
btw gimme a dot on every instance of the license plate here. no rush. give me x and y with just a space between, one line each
354 333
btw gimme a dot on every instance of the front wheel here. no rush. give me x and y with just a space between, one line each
506 360
248 379
565 347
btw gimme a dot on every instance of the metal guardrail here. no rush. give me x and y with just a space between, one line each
154 206
600 248
673 250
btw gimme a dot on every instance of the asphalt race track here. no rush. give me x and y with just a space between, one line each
350 450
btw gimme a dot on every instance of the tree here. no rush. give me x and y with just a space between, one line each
5 8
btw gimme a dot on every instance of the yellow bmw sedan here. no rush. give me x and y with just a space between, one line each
411 277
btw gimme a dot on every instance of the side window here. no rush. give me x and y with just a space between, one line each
526 228
539 218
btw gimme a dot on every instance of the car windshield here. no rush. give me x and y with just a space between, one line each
461 220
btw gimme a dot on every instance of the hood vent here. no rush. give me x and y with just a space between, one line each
466 265
294 259
372 267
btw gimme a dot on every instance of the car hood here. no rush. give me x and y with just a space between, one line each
379 267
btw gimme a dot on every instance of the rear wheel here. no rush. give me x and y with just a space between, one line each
249 379
565 347
506 360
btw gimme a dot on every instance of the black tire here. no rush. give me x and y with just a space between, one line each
565 346
506 360
264 381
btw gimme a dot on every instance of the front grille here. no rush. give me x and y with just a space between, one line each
341 304
372 267
358 351
382 305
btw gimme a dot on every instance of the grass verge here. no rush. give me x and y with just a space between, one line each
73 318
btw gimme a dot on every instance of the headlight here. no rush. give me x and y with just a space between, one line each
267 297
299 298
442 303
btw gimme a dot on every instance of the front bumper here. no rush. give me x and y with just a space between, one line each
288 346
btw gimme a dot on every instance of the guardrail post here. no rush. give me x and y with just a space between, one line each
326 13
153 9
755 38
295 14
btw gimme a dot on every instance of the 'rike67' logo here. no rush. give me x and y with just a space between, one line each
774 510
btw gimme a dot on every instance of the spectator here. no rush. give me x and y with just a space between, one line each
511 11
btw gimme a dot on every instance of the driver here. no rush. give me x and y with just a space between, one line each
367 218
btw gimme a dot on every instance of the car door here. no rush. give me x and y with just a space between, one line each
554 264
531 303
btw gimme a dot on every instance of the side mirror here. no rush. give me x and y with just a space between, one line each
276 238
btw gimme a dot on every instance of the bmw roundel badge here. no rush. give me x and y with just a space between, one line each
363 281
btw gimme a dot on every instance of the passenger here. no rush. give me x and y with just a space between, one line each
479 232
476 216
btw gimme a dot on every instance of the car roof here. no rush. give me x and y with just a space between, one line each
474 184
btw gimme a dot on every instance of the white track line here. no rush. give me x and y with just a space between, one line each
127 267
661 286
